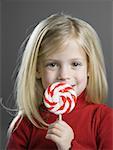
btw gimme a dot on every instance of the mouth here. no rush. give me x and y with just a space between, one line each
73 85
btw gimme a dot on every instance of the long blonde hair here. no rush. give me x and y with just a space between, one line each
46 37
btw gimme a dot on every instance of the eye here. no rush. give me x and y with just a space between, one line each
76 64
52 65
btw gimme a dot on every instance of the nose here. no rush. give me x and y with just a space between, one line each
64 73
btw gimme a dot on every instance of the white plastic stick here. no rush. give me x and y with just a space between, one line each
60 117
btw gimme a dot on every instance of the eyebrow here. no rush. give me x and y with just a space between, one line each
73 59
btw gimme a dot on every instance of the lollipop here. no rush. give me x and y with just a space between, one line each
60 98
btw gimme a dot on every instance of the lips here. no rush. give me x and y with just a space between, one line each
73 85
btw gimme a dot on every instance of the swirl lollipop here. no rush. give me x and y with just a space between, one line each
60 98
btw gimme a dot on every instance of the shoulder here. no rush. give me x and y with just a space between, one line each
100 108
106 113
102 113
99 112
19 123
19 132
103 109
105 127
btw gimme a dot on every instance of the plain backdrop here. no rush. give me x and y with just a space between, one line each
17 16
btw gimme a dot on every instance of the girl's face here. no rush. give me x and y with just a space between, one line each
69 64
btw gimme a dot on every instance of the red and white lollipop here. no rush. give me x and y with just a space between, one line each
60 98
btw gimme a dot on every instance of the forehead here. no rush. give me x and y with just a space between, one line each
69 49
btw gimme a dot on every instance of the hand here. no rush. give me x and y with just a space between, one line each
60 133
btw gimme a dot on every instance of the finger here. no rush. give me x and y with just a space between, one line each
62 123
53 137
65 127
56 125
55 131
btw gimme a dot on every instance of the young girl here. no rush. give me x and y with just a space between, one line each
62 48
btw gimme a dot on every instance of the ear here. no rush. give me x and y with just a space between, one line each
88 70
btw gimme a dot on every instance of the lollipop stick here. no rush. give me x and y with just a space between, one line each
60 117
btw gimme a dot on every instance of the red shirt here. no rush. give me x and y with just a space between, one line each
92 125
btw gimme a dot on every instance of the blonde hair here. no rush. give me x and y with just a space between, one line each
46 37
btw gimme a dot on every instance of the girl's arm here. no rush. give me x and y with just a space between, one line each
19 134
105 130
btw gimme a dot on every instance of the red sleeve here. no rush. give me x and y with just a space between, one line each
19 137
105 130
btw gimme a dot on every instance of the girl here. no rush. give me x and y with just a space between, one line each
62 48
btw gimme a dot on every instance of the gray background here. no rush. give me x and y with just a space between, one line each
17 15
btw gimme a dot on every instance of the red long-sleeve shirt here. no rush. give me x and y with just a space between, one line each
92 125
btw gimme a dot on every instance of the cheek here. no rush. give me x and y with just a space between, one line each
45 81
82 78
47 78
81 83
